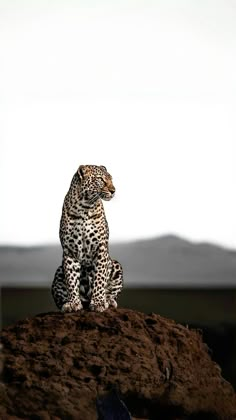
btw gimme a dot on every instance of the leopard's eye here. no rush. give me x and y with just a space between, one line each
101 178
100 181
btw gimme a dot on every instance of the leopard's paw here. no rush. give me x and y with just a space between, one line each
72 307
100 307
112 303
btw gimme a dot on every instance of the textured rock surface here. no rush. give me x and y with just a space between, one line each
55 365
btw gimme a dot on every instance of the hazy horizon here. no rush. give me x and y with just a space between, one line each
166 261
124 241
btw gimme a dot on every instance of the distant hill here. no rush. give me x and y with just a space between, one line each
166 261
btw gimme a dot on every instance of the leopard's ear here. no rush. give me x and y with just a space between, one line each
81 171
103 167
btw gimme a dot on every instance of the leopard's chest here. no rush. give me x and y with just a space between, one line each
83 237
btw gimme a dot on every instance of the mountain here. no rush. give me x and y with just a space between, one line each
166 261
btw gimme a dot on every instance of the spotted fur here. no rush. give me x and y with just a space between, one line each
88 276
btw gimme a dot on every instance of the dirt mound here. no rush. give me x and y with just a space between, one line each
56 365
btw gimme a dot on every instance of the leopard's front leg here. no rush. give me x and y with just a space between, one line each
72 277
98 301
114 284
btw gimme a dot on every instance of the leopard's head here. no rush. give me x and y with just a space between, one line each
95 183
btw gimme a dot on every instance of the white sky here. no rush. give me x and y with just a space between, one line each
146 88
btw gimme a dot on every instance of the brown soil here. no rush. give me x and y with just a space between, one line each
55 366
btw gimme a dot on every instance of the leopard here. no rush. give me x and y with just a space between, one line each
88 278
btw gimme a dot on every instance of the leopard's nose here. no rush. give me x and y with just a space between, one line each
113 190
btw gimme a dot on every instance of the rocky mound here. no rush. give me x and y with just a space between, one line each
56 365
